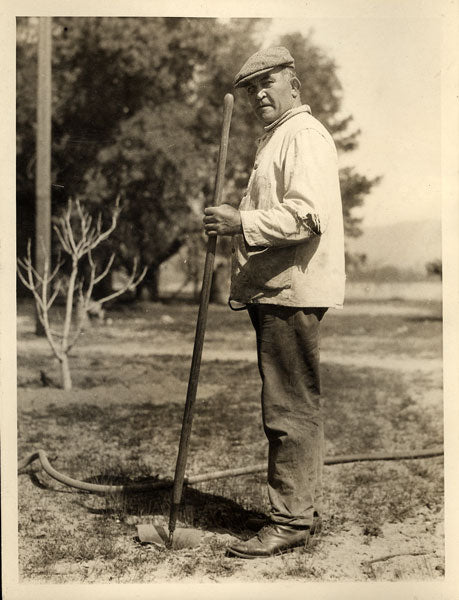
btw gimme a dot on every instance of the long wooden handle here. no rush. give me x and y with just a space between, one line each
200 326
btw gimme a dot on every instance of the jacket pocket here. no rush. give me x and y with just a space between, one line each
269 269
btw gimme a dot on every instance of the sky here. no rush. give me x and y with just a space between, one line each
390 70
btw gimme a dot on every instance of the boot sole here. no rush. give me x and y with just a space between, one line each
309 543
237 553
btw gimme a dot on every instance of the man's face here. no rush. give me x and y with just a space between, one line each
271 94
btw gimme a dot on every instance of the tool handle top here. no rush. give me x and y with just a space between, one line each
228 103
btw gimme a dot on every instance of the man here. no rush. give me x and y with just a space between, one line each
288 269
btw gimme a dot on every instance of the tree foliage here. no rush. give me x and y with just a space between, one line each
137 106
354 189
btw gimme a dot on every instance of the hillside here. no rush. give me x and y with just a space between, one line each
406 245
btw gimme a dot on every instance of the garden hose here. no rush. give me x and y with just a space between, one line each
167 483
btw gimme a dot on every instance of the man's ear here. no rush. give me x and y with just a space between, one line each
296 85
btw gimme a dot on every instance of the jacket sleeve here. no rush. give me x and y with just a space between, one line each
309 169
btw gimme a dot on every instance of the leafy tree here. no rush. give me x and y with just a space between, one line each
137 111
354 189
133 115
155 166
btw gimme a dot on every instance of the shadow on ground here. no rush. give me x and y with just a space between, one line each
424 318
200 510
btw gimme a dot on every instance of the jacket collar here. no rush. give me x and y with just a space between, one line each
288 115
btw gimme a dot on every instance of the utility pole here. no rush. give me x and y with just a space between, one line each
43 163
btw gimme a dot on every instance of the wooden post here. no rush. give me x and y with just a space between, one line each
43 163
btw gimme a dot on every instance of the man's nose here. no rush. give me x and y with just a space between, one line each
261 93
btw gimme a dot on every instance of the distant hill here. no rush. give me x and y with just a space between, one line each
406 245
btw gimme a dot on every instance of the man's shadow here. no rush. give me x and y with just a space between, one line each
198 509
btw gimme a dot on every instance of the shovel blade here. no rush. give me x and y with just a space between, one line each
156 534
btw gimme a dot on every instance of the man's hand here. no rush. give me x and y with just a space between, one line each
222 220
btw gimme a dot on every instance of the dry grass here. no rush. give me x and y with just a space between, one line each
122 424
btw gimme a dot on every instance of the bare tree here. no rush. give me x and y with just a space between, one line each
78 240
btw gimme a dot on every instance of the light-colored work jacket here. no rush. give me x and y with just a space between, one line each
291 252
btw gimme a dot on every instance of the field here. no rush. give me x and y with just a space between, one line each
382 384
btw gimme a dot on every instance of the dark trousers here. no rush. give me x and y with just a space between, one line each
288 361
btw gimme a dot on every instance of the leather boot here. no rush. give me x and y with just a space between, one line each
256 523
271 540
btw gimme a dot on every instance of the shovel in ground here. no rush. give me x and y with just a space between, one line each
157 534
181 537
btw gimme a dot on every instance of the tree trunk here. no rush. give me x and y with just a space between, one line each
149 288
82 316
65 371
219 290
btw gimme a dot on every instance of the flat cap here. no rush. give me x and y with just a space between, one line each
262 62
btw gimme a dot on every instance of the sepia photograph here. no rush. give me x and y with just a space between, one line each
229 300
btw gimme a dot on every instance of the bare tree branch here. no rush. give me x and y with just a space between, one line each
99 223
30 284
40 300
85 224
27 266
68 228
75 336
57 268
69 306
132 282
76 244
104 235
54 295
43 316
26 282
106 270
81 214
62 241
92 277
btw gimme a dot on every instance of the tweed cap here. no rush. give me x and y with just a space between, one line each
262 62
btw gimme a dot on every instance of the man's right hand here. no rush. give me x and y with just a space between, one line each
222 220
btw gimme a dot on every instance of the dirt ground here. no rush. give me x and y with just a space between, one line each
382 377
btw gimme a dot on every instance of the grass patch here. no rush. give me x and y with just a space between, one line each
123 425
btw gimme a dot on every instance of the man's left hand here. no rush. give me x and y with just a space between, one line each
222 220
